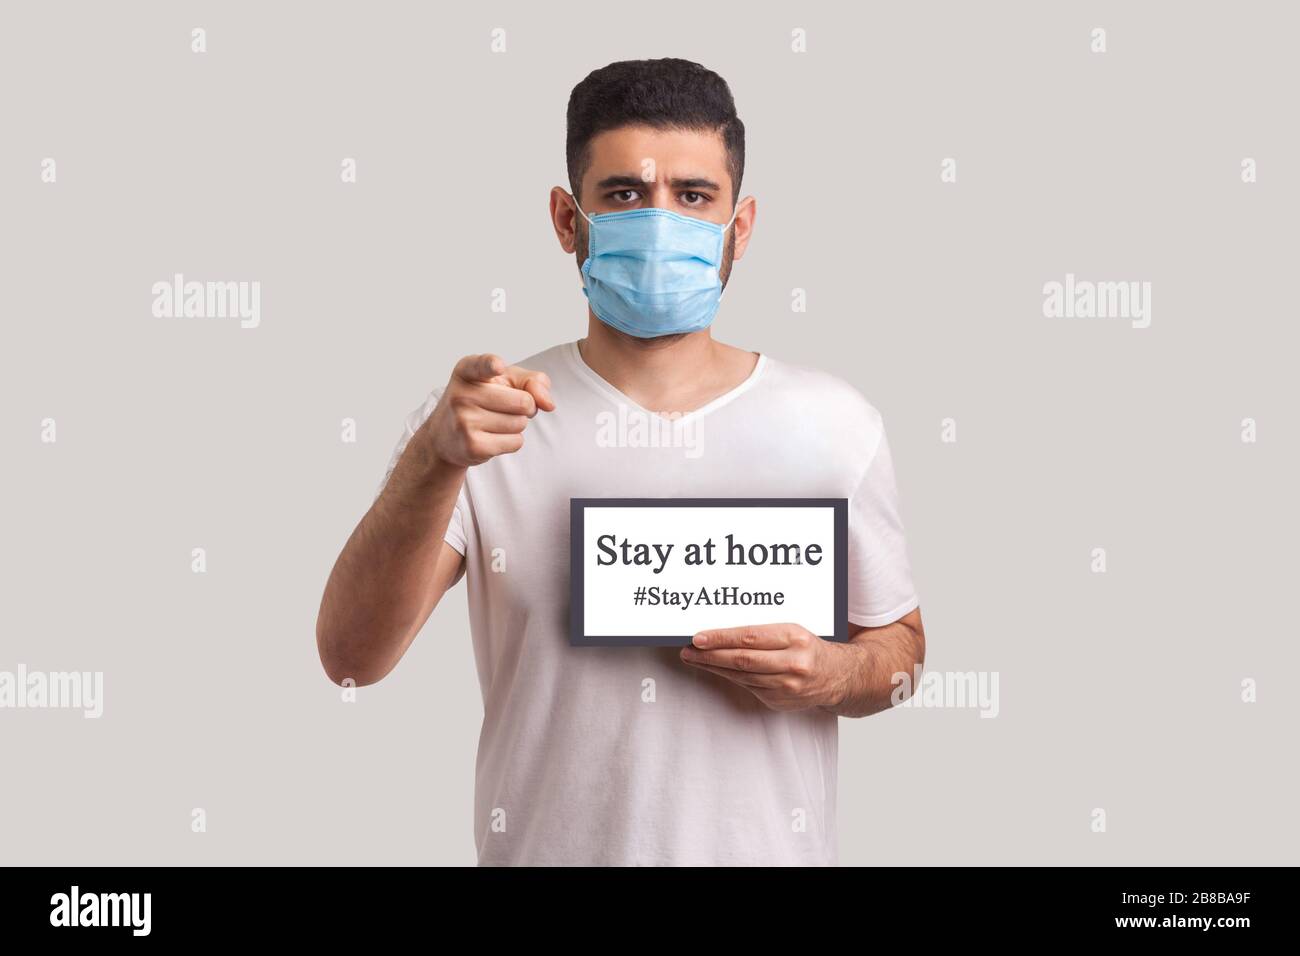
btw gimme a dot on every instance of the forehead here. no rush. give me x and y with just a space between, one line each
674 152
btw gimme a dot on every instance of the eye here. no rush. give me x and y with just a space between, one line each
624 196
694 199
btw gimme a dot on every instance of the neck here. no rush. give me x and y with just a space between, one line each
640 364
672 373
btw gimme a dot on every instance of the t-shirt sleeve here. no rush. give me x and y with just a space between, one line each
455 535
880 577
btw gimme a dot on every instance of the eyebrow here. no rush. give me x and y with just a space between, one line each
636 182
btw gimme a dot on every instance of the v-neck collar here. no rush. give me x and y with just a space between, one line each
592 378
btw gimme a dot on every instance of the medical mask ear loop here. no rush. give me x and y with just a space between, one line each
588 218
724 230
734 214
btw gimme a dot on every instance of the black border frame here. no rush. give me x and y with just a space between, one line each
577 515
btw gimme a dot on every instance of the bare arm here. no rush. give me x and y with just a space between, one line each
396 567
873 656
392 573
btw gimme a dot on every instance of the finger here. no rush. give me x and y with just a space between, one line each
536 384
749 661
759 681
479 368
503 399
490 445
759 636
497 424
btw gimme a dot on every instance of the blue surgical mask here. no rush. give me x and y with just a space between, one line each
652 272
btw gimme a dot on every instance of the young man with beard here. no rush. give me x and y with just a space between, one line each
741 740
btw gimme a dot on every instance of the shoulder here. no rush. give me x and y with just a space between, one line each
824 395
828 418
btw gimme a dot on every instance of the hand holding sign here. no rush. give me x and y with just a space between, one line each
484 410
785 666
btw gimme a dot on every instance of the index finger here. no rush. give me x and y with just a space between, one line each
479 368
767 637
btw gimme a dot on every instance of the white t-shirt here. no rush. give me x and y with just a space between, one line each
576 763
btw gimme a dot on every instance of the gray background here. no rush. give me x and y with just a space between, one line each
1118 691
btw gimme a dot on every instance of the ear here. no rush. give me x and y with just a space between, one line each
746 212
564 217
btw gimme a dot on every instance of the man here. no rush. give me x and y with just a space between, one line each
732 759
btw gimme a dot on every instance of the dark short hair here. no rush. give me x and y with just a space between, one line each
664 94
